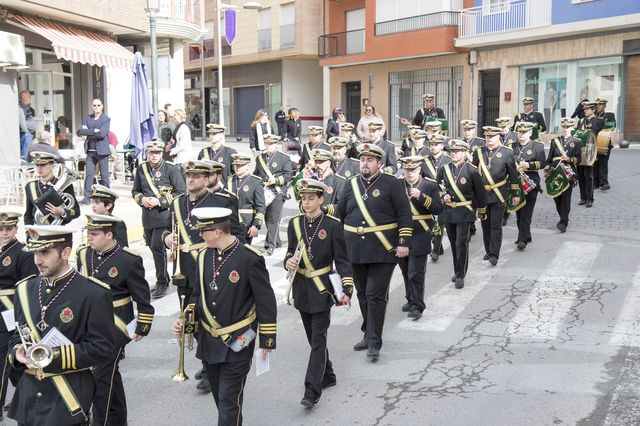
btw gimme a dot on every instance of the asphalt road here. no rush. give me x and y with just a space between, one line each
549 336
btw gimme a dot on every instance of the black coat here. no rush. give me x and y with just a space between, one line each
531 117
16 265
223 155
331 197
279 165
251 205
428 203
293 129
307 148
347 168
502 167
594 123
333 128
469 183
432 165
148 182
571 146
533 153
421 116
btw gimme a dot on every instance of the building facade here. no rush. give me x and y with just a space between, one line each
272 62
559 52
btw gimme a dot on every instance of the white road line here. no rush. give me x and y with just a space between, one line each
543 312
445 306
627 329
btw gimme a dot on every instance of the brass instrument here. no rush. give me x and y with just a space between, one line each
67 177
39 355
291 274
187 316
175 251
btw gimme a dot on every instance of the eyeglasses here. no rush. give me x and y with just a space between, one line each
368 110
97 105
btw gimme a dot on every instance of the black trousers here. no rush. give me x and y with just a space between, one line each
563 205
372 283
459 235
90 170
492 229
524 217
109 401
319 365
585 181
272 218
414 269
8 373
227 386
601 169
153 239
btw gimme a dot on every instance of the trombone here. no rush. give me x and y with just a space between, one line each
187 316
175 255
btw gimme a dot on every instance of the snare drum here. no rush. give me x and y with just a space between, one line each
588 150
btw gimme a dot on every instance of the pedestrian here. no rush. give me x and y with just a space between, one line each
121 269
343 165
432 165
280 119
29 126
469 131
165 132
95 129
333 123
218 151
370 116
181 139
323 172
292 132
378 227
259 127
601 167
319 241
232 292
42 143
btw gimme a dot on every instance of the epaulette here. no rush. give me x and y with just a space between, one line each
539 142
428 179
30 181
131 251
253 249
340 177
256 177
98 282
472 165
25 279
508 147
225 193
170 163
333 217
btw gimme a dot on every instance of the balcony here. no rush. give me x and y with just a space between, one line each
264 39
340 44
180 19
287 35
503 17
416 23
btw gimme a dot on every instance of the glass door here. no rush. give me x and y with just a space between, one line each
40 85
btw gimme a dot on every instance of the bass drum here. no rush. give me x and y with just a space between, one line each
588 151
603 141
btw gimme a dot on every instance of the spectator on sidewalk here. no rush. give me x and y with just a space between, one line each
182 141
165 133
370 116
28 126
95 128
43 144
280 119
333 124
259 127
292 131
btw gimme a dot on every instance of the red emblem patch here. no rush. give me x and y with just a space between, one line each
322 234
234 276
6 261
66 315
113 272
245 188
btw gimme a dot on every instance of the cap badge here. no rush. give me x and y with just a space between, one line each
463 180
376 192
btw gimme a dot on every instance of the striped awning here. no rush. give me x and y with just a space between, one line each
75 45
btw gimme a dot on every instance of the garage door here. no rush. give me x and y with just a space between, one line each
248 100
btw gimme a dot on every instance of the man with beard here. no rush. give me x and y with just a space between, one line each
343 165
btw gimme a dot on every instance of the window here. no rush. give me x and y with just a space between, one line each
287 25
264 29
495 6
164 71
389 10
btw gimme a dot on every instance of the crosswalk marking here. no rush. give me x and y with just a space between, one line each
542 313
627 328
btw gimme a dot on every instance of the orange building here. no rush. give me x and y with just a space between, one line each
388 53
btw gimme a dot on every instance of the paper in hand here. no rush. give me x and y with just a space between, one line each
54 337
336 282
9 320
131 327
262 365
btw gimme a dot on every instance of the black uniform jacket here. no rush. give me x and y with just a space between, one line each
250 193
422 114
502 175
15 265
475 143
386 204
531 117
241 288
277 165
121 234
571 146
83 312
594 123
220 197
35 189
305 156
121 269
222 155
324 240
150 182
608 117
331 197
389 159
423 209
410 149
533 153
508 138
347 168
460 182
432 165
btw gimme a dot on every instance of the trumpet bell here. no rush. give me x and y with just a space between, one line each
40 356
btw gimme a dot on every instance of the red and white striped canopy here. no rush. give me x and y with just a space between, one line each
81 46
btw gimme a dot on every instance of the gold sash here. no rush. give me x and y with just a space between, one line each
4 298
367 216
147 176
463 201
492 184
416 216
184 233
305 258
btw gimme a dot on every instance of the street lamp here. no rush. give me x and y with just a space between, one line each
153 6
252 5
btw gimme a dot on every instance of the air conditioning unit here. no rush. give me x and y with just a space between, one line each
12 52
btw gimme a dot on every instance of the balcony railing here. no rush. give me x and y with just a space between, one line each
287 35
504 16
180 10
339 44
264 39
414 23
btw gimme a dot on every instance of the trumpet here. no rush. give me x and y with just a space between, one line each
291 274
187 316
175 252
39 355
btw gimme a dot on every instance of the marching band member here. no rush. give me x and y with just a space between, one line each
432 164
585 173
79 313
408 142
313 293
530 116
233 302
346 132
274 168
601 168
529 158
250 192
506 135
121 269
103 201
463 188
565 150
433 129
415 144
41 196
315 142
218 151
497 168
223 198
469 128
156 184
344 165
428 111
16 266
424 198
331 195
378 226
389 161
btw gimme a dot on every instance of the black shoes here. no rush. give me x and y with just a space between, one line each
459 282
329 381
269 251
308 401
159 291
486 257
361 345
493 260
415 315
589 203
434 257
373 354
406 307
504 221
605 187
521 245
204 385
453 279
582 202
200 374
561 227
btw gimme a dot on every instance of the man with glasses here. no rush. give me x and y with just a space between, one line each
429 112
95 129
